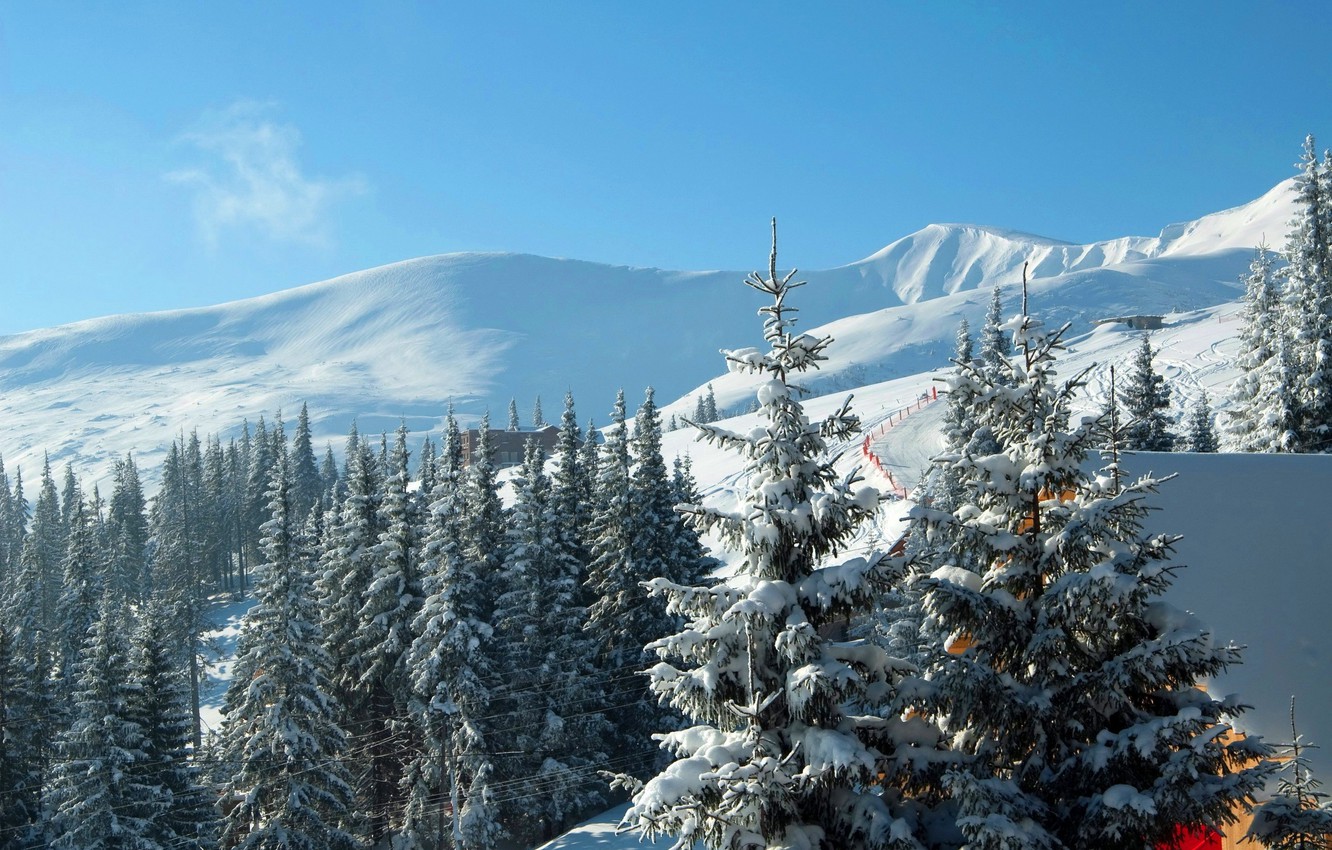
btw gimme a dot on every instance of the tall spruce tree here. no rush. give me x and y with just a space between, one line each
177 568
8 545
96 798
289 754
44 551
328 477
570 488
1307 294
346 569
215 517
383 636
20 748
32 711
550 698
1076 699
995 345
438 638
798 737
1146 398
588 470
306 485
619 606
160 703
452 658
1258 338
80 595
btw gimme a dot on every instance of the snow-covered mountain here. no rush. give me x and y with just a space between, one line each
402 341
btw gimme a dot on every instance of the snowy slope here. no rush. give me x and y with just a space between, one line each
404 340
944 273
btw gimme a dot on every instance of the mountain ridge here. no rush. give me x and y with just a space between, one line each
403 341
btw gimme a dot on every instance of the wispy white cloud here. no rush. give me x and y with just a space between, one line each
252 179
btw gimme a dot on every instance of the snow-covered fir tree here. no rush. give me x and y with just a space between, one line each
80 593
690 552
995 345
426 779
549 699
1307 295
798 739
44 551
571 487
662 546
621 617
538 418
1200 430
7 533
306 485
1145 397
254 490
588 470
290 779
18 522
705 408
513 415
1073 688
20 747
958 423
160 703
383 635
612 580
33 707
96 799
1297 817
942 488
426 469
177 562
1246 428
450 798
1283 400
347 567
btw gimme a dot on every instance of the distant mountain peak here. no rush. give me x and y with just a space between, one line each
403 341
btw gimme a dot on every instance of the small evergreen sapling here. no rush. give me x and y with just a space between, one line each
1298 816
1201 433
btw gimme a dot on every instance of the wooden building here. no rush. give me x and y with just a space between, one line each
509 446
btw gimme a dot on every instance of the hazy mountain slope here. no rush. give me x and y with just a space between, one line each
406 339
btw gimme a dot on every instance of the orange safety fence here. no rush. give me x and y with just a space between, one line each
884 427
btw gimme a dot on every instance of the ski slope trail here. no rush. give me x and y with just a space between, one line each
906 442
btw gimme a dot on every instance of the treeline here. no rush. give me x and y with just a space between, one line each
421 662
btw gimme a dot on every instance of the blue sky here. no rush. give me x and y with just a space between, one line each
162 155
